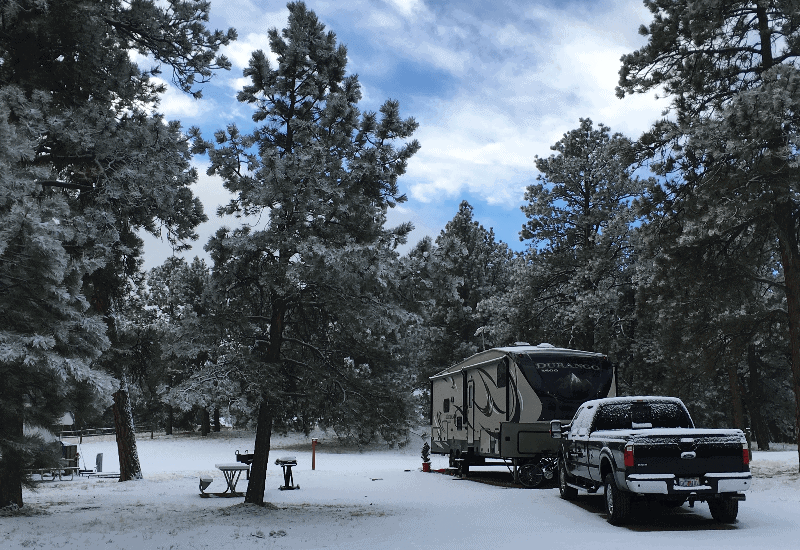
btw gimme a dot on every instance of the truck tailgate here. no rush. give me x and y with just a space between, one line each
687 455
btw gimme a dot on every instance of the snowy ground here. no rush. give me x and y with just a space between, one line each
369 499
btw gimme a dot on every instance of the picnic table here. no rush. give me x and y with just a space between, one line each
60 472
232 472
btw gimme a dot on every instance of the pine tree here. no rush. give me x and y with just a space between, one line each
728 153
87 163
47 332
193 347
580 227
445 282
316 274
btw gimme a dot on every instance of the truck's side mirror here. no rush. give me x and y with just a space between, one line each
555 429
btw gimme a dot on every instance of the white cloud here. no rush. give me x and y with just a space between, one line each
504 82
519 90
409 8
240 51
176 104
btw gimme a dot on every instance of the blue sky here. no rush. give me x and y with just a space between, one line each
492 85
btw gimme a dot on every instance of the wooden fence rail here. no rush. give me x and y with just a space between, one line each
94 432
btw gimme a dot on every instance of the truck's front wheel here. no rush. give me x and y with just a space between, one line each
724 510
567 492
618 503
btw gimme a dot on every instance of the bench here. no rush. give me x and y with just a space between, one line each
204 483
61 472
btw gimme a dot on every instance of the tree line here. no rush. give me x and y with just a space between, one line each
677 253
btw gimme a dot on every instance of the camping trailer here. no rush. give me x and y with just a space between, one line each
497 405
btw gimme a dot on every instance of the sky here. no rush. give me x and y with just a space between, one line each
492 85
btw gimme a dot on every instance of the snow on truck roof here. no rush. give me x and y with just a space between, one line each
519 348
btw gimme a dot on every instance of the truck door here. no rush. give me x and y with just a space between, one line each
577 457
470 412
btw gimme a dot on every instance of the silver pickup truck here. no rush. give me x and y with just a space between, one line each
648 447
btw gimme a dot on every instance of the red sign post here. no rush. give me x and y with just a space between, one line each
313 453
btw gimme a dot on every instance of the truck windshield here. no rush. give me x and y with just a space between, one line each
641 414
564 382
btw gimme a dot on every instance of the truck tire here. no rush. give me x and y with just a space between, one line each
618 503
566 492
724 510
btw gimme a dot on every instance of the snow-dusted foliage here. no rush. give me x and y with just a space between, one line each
47 334
443 284
308 295
573 286
85 164
724 219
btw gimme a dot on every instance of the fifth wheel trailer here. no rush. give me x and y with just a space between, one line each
498 404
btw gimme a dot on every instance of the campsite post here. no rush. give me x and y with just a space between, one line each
313 452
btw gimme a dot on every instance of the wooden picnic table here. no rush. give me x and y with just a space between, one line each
60 472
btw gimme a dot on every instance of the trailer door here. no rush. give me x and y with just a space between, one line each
471 412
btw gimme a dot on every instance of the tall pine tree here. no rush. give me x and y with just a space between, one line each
580 227
314 278
89 165
728 153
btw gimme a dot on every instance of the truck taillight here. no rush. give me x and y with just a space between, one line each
745 454
628 455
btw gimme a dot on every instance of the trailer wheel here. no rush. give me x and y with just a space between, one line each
531 475
724 509
618 503
566 492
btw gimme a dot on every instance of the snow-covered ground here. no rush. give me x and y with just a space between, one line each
368 499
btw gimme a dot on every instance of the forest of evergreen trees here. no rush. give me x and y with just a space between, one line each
677 253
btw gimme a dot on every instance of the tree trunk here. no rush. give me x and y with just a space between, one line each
217 425
129 467
258 473
205 422
170 420
258 469
754 400
736 397
790 260
11 461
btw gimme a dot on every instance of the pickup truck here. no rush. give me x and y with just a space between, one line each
648 447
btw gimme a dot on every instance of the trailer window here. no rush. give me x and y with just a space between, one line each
446 406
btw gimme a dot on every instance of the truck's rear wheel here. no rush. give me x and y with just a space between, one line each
723 509
618 503
567 492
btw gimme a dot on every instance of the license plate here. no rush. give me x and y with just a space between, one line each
688 482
